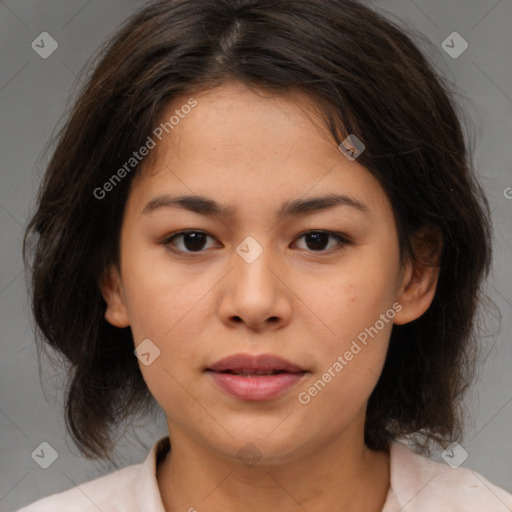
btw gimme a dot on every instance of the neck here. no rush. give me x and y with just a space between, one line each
342 474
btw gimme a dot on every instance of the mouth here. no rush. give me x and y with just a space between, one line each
255 378
261 364
253 372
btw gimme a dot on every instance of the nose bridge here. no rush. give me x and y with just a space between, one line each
253 292
253 264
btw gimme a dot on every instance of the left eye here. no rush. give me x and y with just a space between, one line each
316 240
194 241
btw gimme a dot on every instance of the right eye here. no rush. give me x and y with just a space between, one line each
191 241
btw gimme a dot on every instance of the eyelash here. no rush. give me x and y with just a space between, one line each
343 241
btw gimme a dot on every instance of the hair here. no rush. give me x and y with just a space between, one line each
367 78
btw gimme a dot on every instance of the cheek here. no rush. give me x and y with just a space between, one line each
351 305
171 308
171 311
349 359
161 298
352 352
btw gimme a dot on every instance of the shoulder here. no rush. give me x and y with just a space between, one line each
111 489
421 484
132 488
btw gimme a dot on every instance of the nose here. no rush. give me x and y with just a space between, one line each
255 293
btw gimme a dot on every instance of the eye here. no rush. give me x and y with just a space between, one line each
317 241
194 241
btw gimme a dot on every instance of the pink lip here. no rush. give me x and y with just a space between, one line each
251 386
238 362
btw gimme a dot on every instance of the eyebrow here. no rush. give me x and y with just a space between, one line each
209 207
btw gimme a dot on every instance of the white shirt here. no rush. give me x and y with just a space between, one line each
417 484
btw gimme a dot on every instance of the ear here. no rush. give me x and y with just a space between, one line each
419 280
111 289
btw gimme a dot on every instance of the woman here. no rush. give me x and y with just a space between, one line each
258 197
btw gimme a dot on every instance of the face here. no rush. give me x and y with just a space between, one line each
317 286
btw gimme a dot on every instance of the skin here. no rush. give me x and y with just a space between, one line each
254 151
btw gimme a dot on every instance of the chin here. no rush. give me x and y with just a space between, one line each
260 447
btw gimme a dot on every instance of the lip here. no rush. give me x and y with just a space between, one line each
254 387
239 362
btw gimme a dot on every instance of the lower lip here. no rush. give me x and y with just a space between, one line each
262 387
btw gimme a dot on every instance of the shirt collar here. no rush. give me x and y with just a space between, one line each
148 493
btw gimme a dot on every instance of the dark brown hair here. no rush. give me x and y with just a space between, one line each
369 79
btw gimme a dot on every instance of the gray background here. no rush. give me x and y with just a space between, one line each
33 96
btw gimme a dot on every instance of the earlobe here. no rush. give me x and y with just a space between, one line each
420 278
111 290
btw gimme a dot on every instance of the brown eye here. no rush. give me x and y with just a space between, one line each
190 241
317 241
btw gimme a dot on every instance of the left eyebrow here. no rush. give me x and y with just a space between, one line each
209 207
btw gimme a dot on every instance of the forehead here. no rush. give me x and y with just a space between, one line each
235 120
246 148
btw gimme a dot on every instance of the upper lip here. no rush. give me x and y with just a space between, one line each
247 362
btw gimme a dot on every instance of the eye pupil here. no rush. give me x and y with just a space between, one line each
194 241
319 240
